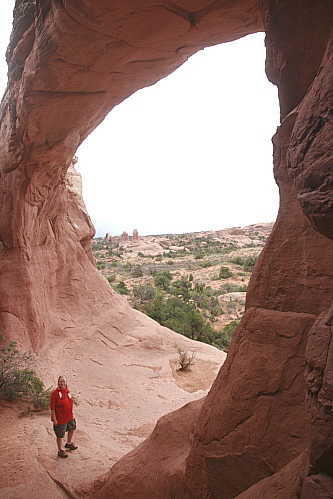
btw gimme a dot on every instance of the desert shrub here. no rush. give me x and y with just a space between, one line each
225 272
162 279
155 309
41 398
205 265
137 272
100 265
222 339
121 288
17 379
170 262
238 260
229 249
181 287
185 359
233 287
199 255
143 293
200 299
141 254
249 263
231 306
170 254
199 287
158 258
214 306
179 316
111 278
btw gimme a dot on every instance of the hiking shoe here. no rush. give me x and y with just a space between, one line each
62 453
70 446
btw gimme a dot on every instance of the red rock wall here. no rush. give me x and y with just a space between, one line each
69 64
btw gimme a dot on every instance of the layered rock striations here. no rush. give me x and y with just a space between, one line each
266 425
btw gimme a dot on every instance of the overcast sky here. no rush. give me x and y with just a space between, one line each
191 153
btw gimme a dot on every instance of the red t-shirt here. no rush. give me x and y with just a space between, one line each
62 404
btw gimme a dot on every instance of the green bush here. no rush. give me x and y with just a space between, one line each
233 287
222 339
249 263
238 260
111 278
199 255
205 265
225 272
17 380
162 279
121 288
41 398
185 359
137 272
143 293
179 316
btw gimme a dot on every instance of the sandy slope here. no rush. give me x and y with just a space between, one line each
125 378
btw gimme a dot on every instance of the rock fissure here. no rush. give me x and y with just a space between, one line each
59 483
207 443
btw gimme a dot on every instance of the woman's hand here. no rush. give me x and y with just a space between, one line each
54 418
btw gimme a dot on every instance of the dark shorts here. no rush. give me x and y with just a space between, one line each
61 429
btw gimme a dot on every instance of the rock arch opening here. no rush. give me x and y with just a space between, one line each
191 152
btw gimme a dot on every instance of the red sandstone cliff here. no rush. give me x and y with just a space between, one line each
265 428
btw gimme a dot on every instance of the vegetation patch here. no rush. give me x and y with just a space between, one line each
183 289
17 380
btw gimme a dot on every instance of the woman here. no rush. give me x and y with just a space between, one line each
62 416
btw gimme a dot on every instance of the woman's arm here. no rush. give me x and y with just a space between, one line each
54 417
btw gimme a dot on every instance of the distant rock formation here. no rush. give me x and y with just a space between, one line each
135 236
124 237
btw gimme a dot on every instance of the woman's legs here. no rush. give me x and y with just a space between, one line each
59 443
70 436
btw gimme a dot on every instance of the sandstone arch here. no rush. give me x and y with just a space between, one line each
70 62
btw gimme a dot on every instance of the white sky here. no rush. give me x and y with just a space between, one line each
191 153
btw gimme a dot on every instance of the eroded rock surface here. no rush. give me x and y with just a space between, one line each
266 424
